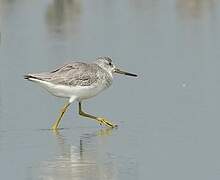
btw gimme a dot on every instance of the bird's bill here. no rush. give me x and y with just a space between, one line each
125 73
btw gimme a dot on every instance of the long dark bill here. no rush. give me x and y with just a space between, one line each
125 73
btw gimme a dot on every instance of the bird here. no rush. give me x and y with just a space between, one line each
78 81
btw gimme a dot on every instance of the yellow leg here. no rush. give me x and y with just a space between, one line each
56 124
101 120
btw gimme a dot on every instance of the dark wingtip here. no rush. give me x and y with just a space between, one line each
26 76
30 77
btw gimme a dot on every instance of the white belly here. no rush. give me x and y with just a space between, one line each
79 92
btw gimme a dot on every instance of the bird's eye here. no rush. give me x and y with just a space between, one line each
110 64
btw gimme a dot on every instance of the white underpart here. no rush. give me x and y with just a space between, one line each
72 92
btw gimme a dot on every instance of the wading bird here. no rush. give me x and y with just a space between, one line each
78 81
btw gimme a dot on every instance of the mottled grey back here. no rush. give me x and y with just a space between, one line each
74 74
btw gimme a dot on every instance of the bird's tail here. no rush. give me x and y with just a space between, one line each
31 77
27 76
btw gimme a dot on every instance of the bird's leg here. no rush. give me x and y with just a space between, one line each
56 124
100 120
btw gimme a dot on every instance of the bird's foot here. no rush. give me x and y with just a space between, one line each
104 121
54 127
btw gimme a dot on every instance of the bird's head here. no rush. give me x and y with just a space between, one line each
106 63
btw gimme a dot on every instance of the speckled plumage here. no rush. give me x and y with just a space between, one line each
76 74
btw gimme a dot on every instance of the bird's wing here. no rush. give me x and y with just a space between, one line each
74 74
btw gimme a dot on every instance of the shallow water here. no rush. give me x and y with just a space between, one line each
168 118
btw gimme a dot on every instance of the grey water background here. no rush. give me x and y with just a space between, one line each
168 117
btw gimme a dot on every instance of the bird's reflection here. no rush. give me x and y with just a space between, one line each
79 161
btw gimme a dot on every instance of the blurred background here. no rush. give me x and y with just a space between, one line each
168 117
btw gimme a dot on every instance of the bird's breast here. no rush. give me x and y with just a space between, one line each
90 91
